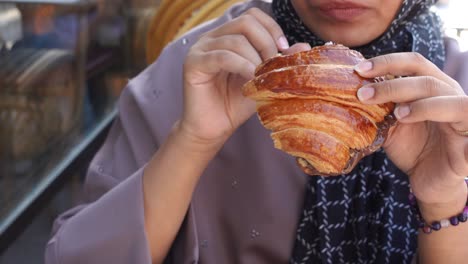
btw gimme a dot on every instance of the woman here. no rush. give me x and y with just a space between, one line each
189 175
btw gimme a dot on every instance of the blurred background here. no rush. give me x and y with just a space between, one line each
63 64
455 17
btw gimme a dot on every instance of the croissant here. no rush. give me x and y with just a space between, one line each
309 102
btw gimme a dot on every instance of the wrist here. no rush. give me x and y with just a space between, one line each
452 203
181 154
193 143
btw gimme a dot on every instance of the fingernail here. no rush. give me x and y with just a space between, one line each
364 66
366 93
402 111
283 43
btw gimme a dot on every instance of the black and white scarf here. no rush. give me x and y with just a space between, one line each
364 216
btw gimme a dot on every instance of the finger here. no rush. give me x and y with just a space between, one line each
216 61
450 109
235 43
298 47
272 27
265 39
257 35
401 64
402 90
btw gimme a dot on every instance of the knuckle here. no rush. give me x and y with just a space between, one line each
238 41
200 41
431 85
463 104
192 49
246 20
213 57
458 88
387 59
225 42
254 11
192 59
193 52
221 57
417 57
389 89
382 63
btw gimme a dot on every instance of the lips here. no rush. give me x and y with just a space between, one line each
342 11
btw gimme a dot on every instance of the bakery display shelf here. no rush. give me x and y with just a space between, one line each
59 84
23 195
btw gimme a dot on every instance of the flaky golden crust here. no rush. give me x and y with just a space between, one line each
308 100
332 54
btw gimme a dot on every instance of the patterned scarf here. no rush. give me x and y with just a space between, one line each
364 216
415 28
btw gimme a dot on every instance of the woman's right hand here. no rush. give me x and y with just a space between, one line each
215 69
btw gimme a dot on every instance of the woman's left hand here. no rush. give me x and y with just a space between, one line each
429 142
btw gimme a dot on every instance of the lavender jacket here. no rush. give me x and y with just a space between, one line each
244 209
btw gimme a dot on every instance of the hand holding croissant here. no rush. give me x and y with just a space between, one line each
324 108
427 143
431 107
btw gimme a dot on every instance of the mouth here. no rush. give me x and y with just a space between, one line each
342 11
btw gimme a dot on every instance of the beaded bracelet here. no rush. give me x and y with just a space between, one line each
437 225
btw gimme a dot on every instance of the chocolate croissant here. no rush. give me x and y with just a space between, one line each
308 100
